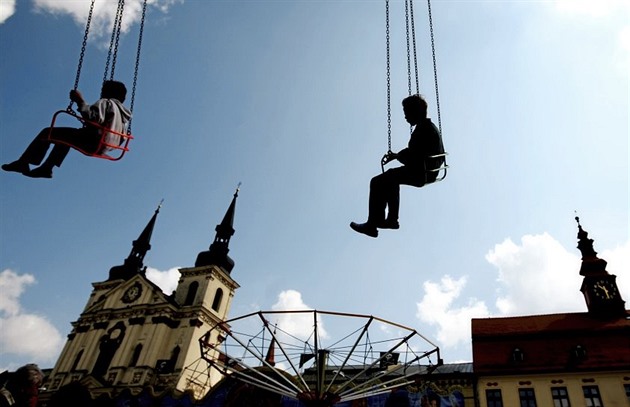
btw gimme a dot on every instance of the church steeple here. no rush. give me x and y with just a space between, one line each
598 287
134 262
218 253
591 264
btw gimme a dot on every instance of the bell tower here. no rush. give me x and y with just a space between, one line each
598 287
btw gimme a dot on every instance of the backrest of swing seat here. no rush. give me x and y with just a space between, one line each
121 149
442 168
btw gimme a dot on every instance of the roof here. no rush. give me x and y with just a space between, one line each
550 343
536 324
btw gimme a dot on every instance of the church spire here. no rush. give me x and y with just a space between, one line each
218 253
591 264
134 262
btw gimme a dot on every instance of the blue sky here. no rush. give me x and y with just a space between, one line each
288 97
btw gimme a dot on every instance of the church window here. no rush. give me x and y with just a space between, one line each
560 397
192 292
527 397
493 398
218 296
77 360
136 355
592 397
626 387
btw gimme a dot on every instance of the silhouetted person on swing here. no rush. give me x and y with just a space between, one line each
108 111
417 162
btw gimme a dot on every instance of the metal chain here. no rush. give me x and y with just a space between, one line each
408 47
83 46
435 75
413 38
113 40
121 5
389 105
135 72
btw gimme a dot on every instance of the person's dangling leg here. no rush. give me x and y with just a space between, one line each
58 153
34 154
376 207
397 177
85 139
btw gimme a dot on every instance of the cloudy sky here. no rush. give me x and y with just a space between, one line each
288 97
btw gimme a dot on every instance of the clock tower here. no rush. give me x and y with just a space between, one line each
598 287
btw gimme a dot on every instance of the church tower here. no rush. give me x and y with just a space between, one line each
131 335
598 287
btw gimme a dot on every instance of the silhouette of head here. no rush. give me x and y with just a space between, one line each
415 108
114 90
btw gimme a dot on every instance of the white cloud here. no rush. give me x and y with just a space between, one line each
436 308
7 9
23 334
104 12
591 8
619 264
299 325
12 285
537 276
166 280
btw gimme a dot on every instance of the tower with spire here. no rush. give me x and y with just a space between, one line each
598 286
132 335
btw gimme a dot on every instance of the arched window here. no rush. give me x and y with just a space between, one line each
218 296
77 360
136 355
192 292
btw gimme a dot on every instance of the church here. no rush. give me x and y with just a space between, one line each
131 335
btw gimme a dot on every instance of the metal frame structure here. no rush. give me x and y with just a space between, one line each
293 353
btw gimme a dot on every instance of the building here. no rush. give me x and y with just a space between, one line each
132 336
559 360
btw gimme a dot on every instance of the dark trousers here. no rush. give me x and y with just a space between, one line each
385 192
85 139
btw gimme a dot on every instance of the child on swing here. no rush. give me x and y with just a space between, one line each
108 111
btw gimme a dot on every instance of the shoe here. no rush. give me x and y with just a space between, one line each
39 172
389 224
17 166
364 228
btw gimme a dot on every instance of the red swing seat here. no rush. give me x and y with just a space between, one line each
105 150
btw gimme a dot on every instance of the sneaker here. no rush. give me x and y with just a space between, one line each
389 224
364 228
17 166
39 172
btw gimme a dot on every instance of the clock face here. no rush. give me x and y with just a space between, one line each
132 293
604 290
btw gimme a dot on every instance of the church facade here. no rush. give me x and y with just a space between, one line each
131 335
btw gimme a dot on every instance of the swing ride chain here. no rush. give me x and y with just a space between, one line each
413 39
113 43
437 93
82 54
389 108
408 47
135 72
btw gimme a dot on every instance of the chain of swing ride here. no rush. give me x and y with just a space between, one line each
410 32
113 51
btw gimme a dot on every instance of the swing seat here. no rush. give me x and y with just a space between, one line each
105 150
441 170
